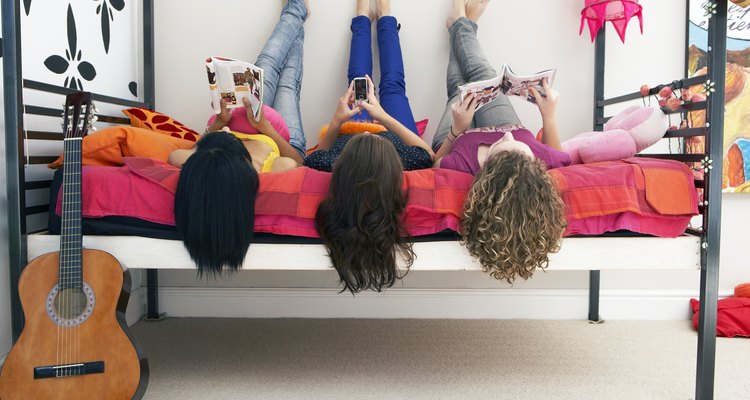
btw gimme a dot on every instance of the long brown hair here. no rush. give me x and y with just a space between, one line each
513 216
360 220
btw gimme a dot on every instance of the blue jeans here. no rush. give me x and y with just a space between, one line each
392 87
281 60
467 63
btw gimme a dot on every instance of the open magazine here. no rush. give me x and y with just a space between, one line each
508 83
233 81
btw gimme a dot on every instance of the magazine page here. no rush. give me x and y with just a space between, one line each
519 85
484 91
234 81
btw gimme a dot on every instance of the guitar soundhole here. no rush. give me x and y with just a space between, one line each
70 307
70 303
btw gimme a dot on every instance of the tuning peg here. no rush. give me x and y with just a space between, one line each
92 129
94 109
93 118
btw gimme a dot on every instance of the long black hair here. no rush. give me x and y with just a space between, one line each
214 205
360 220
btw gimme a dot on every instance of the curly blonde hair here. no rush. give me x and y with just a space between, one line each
513 216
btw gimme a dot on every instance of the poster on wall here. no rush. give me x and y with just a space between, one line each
736 177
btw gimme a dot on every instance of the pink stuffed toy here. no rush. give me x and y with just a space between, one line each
627 133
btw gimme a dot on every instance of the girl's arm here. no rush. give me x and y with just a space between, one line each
342 114
264 126
372 106
548 108
463 113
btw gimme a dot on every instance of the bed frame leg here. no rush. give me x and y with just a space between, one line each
152 296
594 316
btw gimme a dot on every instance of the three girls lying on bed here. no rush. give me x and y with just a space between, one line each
513 214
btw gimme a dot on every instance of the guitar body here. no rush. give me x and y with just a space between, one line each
103 336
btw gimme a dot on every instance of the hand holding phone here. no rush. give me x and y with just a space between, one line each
360 90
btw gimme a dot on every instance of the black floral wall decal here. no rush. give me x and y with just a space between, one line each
133 86
107 17
27 6
73 55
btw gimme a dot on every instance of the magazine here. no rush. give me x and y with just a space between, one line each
508 83
233 81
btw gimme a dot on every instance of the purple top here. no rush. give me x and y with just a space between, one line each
463 156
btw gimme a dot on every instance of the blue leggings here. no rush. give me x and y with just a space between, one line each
392 88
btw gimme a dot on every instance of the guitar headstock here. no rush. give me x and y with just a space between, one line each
79 113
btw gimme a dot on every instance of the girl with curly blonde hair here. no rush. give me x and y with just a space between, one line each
513 215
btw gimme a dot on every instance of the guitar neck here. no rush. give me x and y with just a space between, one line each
71 246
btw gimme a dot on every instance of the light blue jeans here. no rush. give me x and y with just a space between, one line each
467 63
281 60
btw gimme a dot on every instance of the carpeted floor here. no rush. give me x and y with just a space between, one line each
200 358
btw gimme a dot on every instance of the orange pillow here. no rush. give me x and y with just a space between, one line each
158 122
108 146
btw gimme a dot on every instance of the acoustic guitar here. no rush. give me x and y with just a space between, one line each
75 343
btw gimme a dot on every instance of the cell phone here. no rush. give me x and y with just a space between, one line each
360 90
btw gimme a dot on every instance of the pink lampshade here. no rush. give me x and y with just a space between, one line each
619 12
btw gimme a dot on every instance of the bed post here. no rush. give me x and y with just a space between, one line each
148 54
13 92
717 55
149 89
599 64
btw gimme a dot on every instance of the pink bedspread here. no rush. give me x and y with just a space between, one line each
643 195
286 202
646 196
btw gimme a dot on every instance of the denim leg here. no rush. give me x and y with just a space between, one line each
288 94
276 50
392 81
475 67
360 55
454 79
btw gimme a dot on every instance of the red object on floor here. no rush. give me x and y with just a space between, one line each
742 290
733 318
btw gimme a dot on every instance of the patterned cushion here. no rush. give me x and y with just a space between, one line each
158 122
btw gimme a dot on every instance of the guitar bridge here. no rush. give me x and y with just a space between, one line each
68 370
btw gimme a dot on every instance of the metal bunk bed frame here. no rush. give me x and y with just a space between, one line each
17 185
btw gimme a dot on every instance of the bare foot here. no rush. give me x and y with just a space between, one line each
458 11
475 9
384 8
363 8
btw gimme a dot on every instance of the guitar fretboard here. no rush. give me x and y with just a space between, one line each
71 270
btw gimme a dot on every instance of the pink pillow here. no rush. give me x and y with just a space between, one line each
615 144
239 122
646 125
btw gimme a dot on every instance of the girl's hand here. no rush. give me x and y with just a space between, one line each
343 111
262 123
547 104
225 115
372 106
463 113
